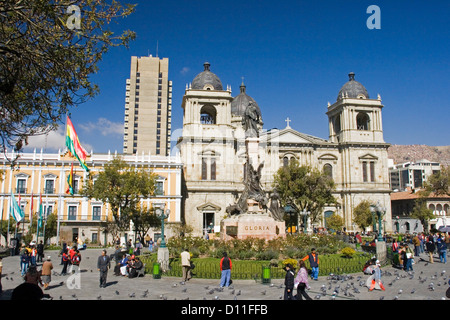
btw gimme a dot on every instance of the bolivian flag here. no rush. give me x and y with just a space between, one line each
70 182
74 145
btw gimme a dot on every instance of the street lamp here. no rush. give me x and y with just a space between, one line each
163 251
377 213
305 214
160 214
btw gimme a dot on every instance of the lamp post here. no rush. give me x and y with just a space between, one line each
377 213
305 214
163 251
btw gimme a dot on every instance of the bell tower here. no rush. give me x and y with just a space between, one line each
354 117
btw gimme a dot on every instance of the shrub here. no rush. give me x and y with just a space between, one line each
348 252
290 261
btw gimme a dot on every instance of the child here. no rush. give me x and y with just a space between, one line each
289 282
374 281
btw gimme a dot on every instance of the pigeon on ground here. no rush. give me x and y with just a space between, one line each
117 292
263 292
132 295
184 290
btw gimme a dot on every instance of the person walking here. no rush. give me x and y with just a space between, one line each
24 262
186 265
103 264
442 249
65 260
313 258
302 281
150 245
225 268
416 243
76 260
40 251
289 279
409 258
46 272
430 247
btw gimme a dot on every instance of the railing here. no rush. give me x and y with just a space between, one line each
247 270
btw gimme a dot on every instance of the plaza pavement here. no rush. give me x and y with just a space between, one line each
427 282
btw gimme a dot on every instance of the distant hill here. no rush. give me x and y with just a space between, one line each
405 153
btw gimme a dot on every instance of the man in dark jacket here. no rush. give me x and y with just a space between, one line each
103 264
289 282
135 268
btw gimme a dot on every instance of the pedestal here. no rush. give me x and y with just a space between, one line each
163 258
381 251
256 225
252 146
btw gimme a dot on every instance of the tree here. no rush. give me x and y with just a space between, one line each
421 212
439 182
305 188
122 186
143 219
362 215
48 50
335 222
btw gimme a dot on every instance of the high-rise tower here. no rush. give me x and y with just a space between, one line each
148 107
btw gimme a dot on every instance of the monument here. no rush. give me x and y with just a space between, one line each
254 214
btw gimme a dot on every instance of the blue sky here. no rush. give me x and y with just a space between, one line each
294 55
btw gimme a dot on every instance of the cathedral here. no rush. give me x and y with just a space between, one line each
215 138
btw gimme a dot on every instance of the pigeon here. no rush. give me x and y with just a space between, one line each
207 287
280 286
99 298
182 283
216 298
132 295
400 291
60 298
184 290
174 285
263 292
232 292
317 297
238 293
74 296
413 290
211 291
117 292
235 298
382 298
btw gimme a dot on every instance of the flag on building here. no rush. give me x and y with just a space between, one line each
70 182
74 146
41 210
16 210
31 209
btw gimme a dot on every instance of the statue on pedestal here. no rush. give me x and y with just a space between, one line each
251 120
275 209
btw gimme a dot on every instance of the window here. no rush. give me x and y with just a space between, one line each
328 170
213 169
362 121
48 211
364 171
285 161
72 213
159 190
337 124
96 213
21 186
75 186
208 222
49 187
208 115
366 166
204 170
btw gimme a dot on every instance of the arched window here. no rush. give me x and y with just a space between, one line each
285 161
446 206
432 207
439 209
337 124
328 170
362 121
208 115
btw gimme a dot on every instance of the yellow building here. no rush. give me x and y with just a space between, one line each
44 176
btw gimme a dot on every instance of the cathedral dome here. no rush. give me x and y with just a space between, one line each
353 89
241 101
206 80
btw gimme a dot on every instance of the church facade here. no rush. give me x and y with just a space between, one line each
214 141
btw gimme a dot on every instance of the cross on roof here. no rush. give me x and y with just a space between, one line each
287 121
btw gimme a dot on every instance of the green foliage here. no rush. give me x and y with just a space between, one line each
45 65
123 186
304 187
439 182
335 222
290 261
348 252
362 215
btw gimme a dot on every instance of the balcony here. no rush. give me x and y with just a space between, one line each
21 190
49 191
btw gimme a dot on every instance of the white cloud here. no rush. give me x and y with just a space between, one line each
104 126
51 142
185 70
